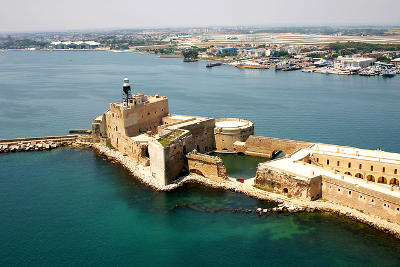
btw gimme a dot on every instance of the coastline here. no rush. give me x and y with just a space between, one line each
143 174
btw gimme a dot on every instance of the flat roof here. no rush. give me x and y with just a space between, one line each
229 124
358 153
303 170
180 117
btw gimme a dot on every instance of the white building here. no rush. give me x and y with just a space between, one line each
353 62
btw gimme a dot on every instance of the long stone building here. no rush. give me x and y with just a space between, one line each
175 145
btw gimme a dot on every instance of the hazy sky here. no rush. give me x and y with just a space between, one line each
35 15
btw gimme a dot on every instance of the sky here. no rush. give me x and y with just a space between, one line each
61 15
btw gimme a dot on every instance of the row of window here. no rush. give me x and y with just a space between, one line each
372 200
360 166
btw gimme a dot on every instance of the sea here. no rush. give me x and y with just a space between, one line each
69 207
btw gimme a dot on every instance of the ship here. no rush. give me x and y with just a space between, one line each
282 65
388 73
190 60
247 66
210 65
251 65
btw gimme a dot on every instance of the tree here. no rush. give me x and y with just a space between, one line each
191 53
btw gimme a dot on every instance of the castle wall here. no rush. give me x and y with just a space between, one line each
374 171
266 146
157 162
146 117
361 198
208 166
225 137
289 184
202 136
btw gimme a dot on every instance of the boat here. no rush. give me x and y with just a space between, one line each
210 65
248 66
190 60
307 70
388 73
291 67
281 65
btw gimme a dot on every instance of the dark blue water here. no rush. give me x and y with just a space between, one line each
69 207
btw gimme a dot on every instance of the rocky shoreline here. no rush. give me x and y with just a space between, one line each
285 204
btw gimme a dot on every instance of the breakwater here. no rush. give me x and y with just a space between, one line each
35 143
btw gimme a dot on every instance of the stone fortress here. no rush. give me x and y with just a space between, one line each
172 146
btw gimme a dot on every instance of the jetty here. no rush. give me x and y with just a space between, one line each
38 143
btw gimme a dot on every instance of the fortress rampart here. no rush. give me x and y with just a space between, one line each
174 145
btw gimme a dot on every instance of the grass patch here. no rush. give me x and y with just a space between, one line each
110 146
264 187
165 141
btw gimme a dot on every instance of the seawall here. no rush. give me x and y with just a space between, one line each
36 143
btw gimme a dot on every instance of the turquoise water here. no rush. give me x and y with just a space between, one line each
70 207
240 166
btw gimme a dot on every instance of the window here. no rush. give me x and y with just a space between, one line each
349 164
372 168
383 169
372 200
395 171
360 166
338 189
338 163
327 161
349 192
317 159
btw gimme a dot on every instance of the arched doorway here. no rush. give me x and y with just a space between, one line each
359 175
276 154
370 178
347 173
285 190
382 180
394 181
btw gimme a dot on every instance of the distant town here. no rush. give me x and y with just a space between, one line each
349 50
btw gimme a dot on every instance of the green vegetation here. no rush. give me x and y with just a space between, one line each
265 188
165 141
384 59
227 54
282 53
110 146
191 53
348 48
21 44
166 50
